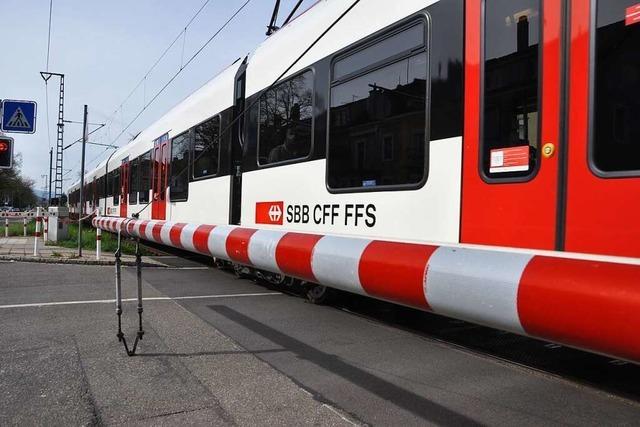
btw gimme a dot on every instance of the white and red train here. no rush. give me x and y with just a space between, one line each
476 158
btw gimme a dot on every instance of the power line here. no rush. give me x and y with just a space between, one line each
182 68
49 37
164 53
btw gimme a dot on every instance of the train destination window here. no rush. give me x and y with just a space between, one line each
133 182
179 178
616 134
509 146
286 120
144 168
376 111
206 148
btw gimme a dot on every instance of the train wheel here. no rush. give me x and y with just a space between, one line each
318 294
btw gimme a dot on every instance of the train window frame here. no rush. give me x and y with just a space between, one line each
481 145
192 178
313 120
422 17
143 196
133 181
116 189
591 127
189 134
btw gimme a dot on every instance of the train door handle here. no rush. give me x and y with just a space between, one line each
548 150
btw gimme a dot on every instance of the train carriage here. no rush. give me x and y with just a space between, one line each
482 126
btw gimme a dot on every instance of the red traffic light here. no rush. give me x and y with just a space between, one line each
6 152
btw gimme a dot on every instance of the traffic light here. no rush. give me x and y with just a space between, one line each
6 152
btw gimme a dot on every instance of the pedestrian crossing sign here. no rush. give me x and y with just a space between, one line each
19 116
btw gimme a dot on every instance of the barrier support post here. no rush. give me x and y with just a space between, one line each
6 227
35 240
24 227
98 243
46 228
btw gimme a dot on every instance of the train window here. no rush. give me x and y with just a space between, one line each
509 146
615 141
376 113
116 187
286 121
179 178
206 148
133 182
144 184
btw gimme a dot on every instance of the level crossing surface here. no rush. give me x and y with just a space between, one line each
227 351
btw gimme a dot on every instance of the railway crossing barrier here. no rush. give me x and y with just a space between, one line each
591 304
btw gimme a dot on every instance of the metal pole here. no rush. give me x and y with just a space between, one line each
50 169
84 144
24 227
98 243
6 227
35 241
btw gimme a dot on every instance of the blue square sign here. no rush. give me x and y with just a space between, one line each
19 116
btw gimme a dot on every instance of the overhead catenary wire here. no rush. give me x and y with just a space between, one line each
182 67
275 82
155 64
186 64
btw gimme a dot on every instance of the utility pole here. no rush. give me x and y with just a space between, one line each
50 169
57 181
84 144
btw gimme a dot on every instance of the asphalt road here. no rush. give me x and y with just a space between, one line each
251 359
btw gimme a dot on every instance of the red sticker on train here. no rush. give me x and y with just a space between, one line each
632 15
512 159
271 213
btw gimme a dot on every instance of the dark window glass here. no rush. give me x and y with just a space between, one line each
510 113
116 187
144 169
133 182
179 180
286 120
373 120
109 184
405 40
616 136
206 148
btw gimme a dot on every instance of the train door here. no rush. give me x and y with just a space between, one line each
237 144
512 122
124 187
159 184
603 174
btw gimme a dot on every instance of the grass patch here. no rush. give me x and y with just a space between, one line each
109 241
15 228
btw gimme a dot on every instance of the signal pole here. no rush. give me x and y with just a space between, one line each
84 144
50 169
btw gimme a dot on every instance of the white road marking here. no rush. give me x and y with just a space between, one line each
112 301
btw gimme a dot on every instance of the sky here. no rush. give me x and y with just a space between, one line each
104 49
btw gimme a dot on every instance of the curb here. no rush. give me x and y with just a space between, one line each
72 261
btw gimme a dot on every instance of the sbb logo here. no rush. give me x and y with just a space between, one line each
270 213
